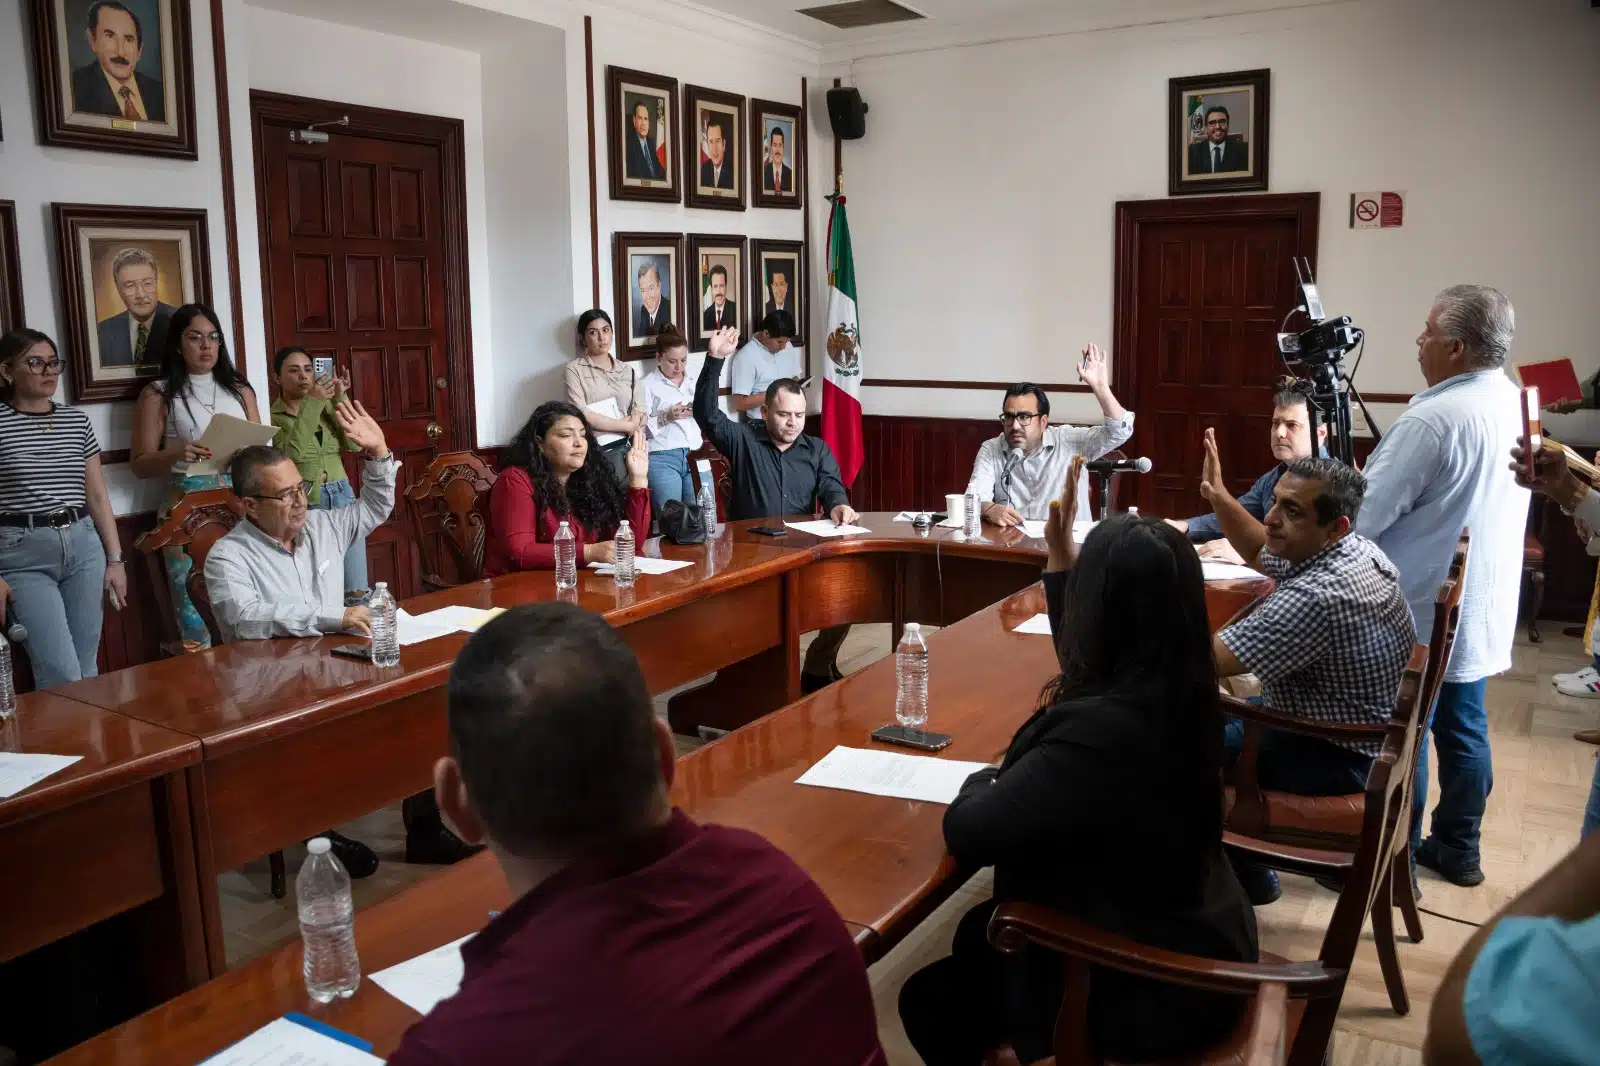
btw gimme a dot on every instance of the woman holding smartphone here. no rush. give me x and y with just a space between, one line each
198 381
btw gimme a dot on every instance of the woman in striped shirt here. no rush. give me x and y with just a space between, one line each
59 553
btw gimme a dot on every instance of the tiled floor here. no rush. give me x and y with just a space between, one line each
1541 783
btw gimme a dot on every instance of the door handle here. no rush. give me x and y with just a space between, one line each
434 431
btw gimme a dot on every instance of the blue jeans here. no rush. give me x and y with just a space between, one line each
1460 725
58 579
669 479
339 494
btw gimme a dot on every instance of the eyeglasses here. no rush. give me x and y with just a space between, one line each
194 336
43 366
1020 418
288 495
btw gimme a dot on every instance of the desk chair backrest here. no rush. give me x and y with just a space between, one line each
448 506
194 524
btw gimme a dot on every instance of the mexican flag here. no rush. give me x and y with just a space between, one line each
841 374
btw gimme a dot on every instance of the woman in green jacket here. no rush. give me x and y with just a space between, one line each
310 435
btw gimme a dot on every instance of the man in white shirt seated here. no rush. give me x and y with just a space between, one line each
767 357
1018 473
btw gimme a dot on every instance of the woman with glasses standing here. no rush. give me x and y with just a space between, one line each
197 381
59 552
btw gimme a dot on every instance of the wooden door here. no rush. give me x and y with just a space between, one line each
1202 287
357 259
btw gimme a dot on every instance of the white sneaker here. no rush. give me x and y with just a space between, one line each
1578 677
1583 690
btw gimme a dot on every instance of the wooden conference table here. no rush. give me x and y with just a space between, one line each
881 861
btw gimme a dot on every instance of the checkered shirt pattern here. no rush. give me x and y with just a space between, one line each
1331 642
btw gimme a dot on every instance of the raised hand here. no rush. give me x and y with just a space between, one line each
1063 549
721 344
1211 469
1093 368
638 462
360 428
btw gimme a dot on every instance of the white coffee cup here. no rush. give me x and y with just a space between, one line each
955 506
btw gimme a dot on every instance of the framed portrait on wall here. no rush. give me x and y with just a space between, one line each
10 269
713 157
647 296
1218 136
777 140
642 135
717 286
115 75
124 271
778 282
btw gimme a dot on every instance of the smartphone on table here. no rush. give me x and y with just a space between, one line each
769 531
906 737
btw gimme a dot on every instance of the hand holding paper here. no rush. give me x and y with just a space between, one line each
224 436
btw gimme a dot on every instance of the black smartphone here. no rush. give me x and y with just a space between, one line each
354 651
769 531
920 739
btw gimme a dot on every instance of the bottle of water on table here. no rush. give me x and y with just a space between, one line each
566 557
327 925
707 498
971 516
624 569
911 679
385 632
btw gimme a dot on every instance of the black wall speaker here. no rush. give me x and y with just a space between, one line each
847 113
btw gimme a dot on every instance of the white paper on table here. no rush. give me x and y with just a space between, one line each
1217 570
423 982
20 770
607 408
645 564
1039 623
416 628
285 1043
1035 528
907 516
951 523
226 434
825 528
889 773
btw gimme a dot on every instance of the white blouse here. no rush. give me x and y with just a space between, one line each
190 414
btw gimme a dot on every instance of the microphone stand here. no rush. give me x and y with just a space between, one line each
1107 479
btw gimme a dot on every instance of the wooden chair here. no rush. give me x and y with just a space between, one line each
1335 822
1533 570
448 504
1314 987
198 521
721 474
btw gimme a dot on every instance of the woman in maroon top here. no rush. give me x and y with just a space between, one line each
555 472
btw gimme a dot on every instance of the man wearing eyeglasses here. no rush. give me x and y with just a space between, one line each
1018 473
280 573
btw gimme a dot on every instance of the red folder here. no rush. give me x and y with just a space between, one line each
1556 380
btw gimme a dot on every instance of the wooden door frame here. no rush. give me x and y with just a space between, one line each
447 135
1302 208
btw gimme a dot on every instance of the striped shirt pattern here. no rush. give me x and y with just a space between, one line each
42 458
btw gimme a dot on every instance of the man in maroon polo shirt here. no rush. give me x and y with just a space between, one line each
637 935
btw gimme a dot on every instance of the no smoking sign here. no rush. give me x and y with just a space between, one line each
1377 210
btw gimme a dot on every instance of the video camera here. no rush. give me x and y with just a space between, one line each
1326 341
1320 349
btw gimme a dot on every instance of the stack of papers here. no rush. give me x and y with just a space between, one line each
825 528
1039 624
225 434
286 1042
644 564
425 981
889 773
415 628
606 408
1215 570
19 770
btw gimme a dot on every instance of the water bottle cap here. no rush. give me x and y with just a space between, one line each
383 584
912 627
622 527
318 845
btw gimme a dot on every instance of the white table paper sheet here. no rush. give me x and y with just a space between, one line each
20 770
1216 570
825 528
423 982
889 773
1039 623
645 564
285 1043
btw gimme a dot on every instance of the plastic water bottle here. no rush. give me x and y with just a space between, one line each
385 631
1133 512
971 516
911 679
623 571
327 925
8 689
566 558
707 499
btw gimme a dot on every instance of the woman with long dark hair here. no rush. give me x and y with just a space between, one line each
1107 808
596 376
553 473
60 556
198 380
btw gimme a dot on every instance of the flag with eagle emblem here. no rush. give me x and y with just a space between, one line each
841 373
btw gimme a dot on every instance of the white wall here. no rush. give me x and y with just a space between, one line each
982 197
35 177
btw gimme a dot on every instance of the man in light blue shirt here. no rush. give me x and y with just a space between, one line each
1441 468
766 358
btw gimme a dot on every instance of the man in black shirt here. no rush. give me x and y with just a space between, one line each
777 470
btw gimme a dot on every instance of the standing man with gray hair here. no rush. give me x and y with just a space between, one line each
1438 470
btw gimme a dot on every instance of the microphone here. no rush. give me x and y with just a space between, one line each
15 631
1140 465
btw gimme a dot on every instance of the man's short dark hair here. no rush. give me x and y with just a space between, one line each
1216 109
93 18
717 123
778 324
776 131
1291 396
719 269
244 470
552 724
783 385
1343 487
1028 388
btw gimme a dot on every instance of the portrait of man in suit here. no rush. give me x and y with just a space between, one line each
1218 153
721 311
652 309
137 335
777 176
777 288
716 170
642 161
111 83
